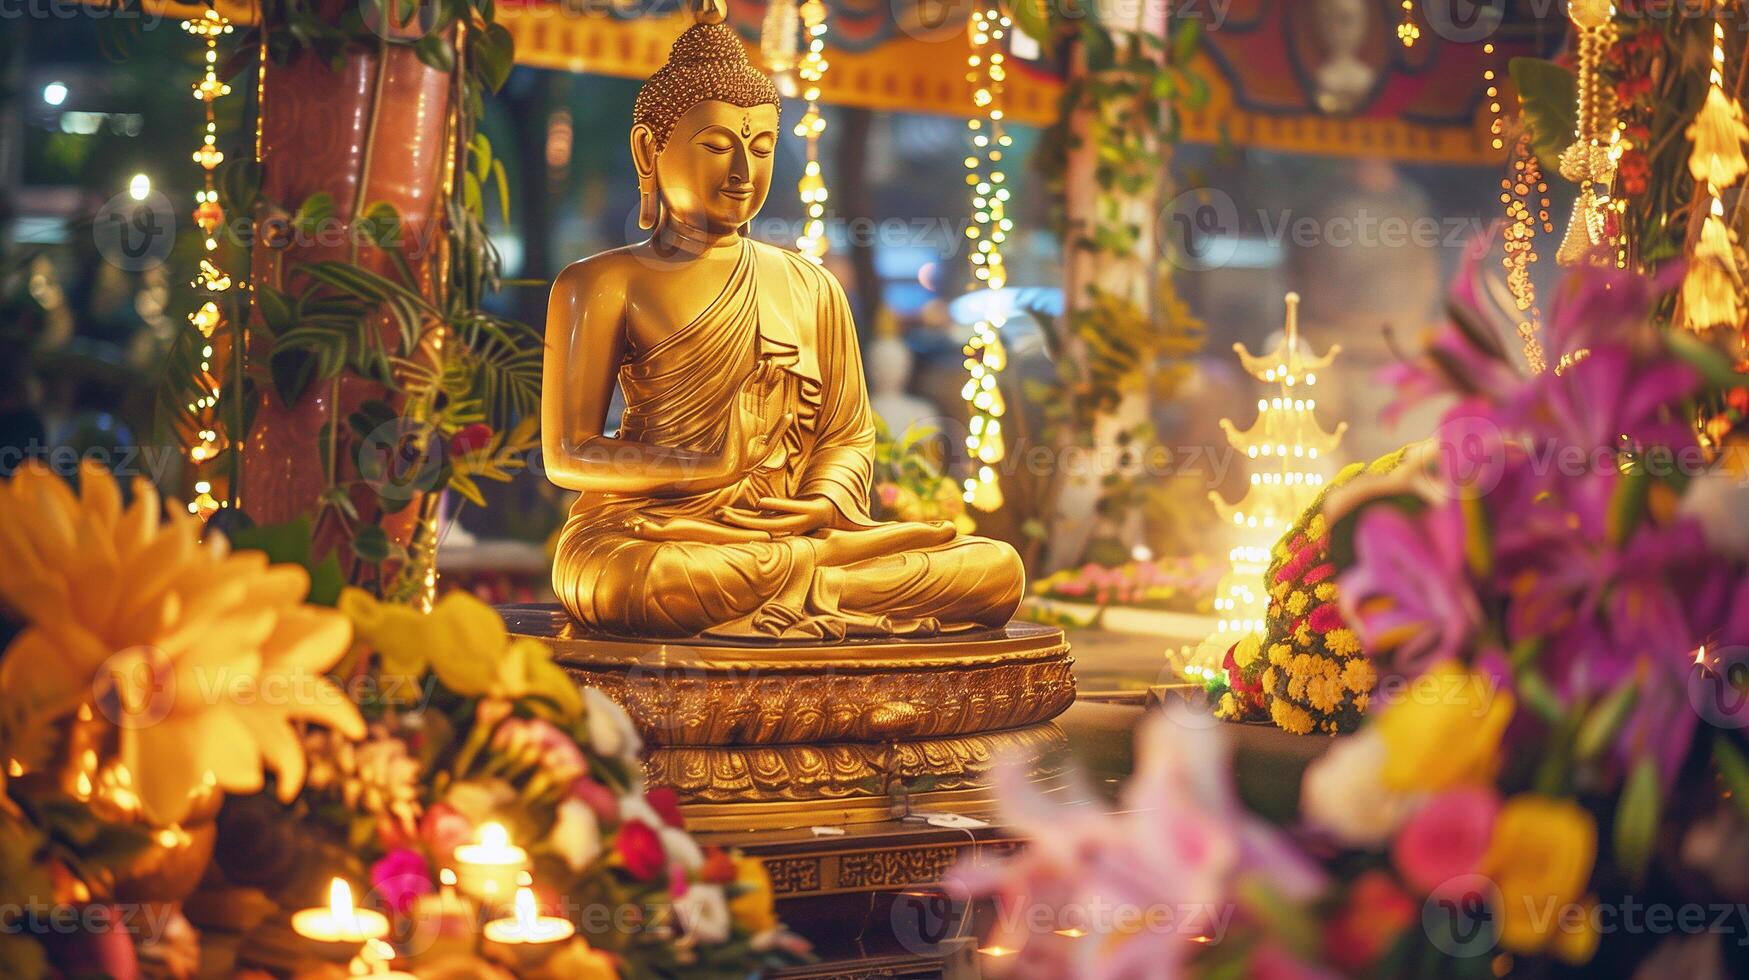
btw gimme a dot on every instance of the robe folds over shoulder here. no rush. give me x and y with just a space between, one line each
635 565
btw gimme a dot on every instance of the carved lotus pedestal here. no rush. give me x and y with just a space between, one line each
770 735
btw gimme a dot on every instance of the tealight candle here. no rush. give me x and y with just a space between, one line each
490 869
527 938
442 923
339 930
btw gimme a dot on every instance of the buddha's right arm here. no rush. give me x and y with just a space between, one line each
586 340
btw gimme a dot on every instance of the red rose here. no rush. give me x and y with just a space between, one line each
666 803
640 849
1376 914
471 439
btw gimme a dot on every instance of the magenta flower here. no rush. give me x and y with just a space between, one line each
1409 593
1609 400
400 877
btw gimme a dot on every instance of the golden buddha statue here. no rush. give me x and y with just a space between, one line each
733 501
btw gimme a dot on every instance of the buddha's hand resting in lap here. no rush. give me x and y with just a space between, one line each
752 434
785 516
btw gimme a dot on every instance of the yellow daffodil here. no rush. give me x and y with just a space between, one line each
1444 731
200 658
1718 134
462 641
752 908
1540 858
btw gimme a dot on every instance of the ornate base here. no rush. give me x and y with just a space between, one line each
814 733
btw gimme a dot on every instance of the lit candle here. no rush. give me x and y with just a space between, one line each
527 938
442 923
339 930
490 869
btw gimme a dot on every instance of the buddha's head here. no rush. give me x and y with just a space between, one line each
703 130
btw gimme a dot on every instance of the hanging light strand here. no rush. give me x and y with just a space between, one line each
1590 161
986 73
1407 32
811 69
206 441
1523 183
1713 288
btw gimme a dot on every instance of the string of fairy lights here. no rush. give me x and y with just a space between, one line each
986 72
211 280
1407 31
1523 183
811 69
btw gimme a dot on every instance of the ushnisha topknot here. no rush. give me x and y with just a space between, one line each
707 62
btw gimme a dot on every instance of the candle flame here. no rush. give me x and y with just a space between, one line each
526 915
494 835
340 899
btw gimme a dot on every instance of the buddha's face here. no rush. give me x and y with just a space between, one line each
716 169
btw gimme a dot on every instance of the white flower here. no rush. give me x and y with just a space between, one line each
704 913
611 732
1718 501
680 847
576 834
1343 792
633 806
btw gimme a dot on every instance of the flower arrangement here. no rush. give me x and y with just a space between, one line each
1180 583
1306 673
1532 769
909 484
171 701
141 690
474 733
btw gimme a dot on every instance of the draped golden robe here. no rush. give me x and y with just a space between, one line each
628 565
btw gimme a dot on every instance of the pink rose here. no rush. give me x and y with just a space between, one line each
1446 837
598 798
400 877
443 829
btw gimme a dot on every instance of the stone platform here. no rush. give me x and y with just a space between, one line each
786 734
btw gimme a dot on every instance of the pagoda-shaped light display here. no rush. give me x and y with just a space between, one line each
1288 450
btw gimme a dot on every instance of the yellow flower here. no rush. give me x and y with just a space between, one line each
1303 635
1324 694
1325 591
1289 717
1297 603
1358 674
1342 642
1246 651
463 641
1718 134
1540 858
202 658
753 908
1279 654
1445 731
1316 527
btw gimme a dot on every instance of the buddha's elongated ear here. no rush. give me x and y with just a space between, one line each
644 161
